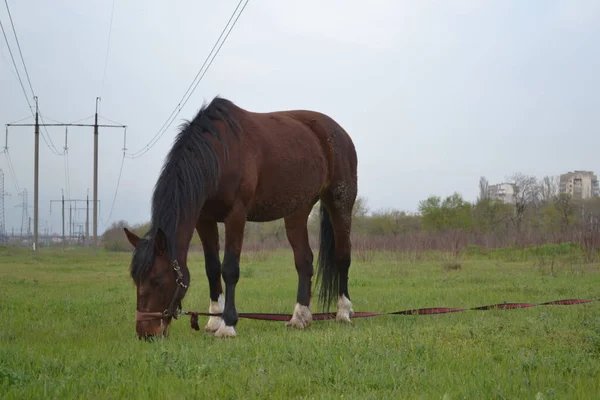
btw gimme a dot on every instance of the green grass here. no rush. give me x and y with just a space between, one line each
67 331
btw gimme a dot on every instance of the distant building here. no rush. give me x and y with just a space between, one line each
505 192
580 185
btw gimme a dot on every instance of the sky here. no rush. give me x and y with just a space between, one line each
434 94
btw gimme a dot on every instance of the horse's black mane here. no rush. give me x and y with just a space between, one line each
189 175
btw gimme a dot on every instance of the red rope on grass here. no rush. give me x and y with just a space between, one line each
419 311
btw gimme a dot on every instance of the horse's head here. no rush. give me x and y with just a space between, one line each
159 283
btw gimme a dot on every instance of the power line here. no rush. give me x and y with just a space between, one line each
7 62
116 191
18 45
21 120
95 201
10 166
107 47
179 106
53 120
192 86
11 169
50 145
118 179
211 61
110 120
82 119
16 69
48 141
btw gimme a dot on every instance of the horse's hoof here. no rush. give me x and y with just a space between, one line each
216 307
213 324
345 310
343 318
225 331
302 317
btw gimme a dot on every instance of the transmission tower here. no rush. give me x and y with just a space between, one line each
24 213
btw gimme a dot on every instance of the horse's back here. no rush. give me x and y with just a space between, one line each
285 165
336 142
289 159
336 145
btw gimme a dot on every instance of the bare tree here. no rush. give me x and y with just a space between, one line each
565 207
483 189
549 189
526 195
360 207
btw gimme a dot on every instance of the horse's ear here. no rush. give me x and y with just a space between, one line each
160 242
132 237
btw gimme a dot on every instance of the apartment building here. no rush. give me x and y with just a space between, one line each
580 185
504 192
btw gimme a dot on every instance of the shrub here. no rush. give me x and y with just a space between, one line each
114 239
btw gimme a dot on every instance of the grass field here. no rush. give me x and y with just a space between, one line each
67 331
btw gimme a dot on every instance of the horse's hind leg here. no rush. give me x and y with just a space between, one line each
209 235
341 225
339 202
297 233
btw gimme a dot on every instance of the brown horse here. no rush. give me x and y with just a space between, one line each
230 165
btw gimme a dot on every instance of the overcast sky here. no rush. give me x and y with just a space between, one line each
435 94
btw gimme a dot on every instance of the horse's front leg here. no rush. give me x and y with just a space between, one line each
209 235
234 235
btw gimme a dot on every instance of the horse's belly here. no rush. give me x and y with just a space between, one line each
278 207
287 187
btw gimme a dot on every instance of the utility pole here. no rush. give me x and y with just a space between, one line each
96 175
63 202
63 217
24 212
87 217
36 168
36 174
70 223
3 233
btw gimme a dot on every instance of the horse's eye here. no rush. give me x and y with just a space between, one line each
157 281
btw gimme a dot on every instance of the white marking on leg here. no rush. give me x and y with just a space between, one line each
345 310
215 307
225 331
301 318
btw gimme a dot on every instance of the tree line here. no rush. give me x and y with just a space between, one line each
538 215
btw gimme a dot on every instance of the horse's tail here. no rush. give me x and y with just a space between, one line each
327 273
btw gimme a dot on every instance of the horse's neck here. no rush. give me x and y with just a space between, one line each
185 232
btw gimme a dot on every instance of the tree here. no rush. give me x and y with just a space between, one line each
563 204
114 238
360 207
548 189
359 213
392 222
313 217
483 189
489 215
526 195
453 213
431 211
